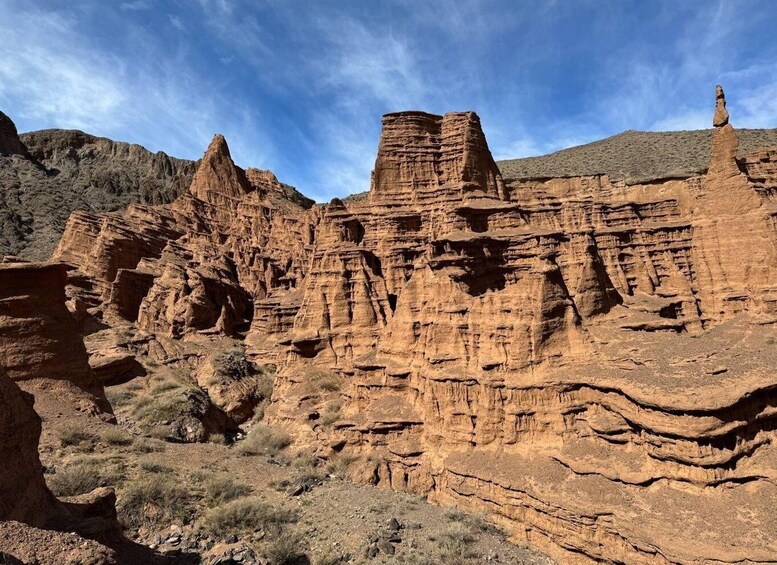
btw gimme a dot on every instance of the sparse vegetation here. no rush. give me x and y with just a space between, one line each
339 464
331 413
116 436
118 398
74 435
151 467
456 546
246 515
167 401
220 490
156 500
263 440
284 549
322 380
86 474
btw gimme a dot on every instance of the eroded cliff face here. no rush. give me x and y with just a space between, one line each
40 343
588 361
23 493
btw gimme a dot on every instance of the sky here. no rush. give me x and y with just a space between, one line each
299 87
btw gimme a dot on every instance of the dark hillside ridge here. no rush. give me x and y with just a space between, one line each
634 156
46 175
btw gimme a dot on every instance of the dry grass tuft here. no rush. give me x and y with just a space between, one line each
155 501
73 435
263 440
285 549
116 436
246 515
86 474
220 490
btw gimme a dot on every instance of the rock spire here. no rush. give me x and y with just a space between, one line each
721 114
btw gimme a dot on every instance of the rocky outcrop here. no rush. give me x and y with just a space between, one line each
10 144
557 351
39 339
421 156
720 118
47 175
198 264
23 493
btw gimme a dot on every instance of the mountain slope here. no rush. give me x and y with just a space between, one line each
46 175
634 156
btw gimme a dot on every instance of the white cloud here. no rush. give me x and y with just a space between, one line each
135 5
176 22
54 75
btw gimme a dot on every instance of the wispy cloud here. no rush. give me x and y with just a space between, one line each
299 87
52 74
135 5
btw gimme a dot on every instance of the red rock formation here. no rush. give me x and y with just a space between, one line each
23 493
242 238
559 352
39 338
26 504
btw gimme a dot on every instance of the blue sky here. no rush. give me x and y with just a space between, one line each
299 87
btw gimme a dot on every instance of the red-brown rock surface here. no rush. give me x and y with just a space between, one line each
23 493
589 361
40 344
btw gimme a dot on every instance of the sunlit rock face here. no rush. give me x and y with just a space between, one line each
588 361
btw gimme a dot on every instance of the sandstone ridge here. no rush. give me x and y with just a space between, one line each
587 360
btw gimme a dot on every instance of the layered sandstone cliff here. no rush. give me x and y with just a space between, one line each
588 360
40 344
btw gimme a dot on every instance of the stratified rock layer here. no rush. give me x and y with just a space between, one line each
39 338
589 361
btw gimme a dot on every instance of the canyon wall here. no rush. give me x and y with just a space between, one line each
587 360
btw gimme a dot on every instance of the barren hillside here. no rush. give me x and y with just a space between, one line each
634 156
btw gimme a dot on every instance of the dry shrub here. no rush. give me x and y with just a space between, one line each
116 436
220 490
73 435
339 464
119 398
155 501
263 440
86 474
151 467
246 515
285 549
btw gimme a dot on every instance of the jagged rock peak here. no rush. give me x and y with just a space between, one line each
218 176
721 114
10 144
425 156
724 140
